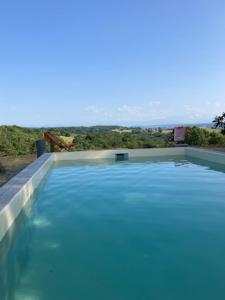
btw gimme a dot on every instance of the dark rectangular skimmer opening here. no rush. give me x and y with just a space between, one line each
121 156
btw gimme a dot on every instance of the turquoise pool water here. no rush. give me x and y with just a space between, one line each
137 230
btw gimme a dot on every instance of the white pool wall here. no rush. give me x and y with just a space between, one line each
212 156
17 191
104 154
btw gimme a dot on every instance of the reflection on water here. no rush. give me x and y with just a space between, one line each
178 160
109 161
209 165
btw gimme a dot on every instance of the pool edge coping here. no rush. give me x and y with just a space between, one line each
17 191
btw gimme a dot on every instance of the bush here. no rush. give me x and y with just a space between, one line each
216 138
201 137
197 136
15 140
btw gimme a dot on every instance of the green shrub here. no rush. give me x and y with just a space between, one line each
216 138
197 136
15 140
201 137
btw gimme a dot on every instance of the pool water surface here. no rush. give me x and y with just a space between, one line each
129 230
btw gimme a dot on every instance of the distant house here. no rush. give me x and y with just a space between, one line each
179 133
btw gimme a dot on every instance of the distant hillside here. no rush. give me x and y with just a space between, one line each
167 126
16 140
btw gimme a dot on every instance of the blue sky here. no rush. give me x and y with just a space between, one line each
125 62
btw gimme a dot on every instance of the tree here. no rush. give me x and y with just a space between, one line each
219 122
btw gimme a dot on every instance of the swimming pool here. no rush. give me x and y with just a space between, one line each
147 228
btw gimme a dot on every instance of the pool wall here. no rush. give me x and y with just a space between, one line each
104 154
16 192
213 156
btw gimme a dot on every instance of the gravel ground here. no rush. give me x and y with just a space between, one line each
13 165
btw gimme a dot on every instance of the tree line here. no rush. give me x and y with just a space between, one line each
112 140
15 140
202 137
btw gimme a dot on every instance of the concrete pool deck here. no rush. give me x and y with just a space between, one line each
17 191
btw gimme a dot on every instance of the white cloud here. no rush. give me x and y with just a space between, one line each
204 110
131 110
129 113
93 109
154 103
97 111
155 112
